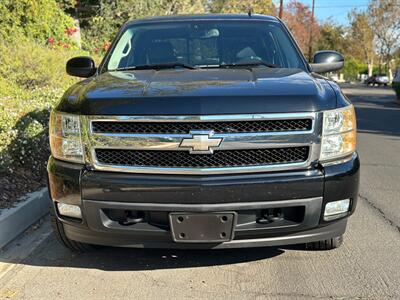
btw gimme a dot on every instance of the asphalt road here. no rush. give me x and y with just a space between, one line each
367 266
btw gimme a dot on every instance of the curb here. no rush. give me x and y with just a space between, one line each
15 220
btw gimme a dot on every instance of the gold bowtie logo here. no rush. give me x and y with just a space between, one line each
201 143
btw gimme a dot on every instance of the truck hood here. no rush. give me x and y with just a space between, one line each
199 92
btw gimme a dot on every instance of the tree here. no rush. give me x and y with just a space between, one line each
384 19
333 37
183 6
265 7
362 38
67 5
297 17
352 67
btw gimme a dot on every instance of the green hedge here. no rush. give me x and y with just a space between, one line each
32 80
35 19
35 43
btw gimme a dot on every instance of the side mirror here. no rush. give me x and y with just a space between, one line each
327 61
81 66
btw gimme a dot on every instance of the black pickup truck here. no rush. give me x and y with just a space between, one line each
206 131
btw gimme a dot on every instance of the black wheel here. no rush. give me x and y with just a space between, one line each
328 244
62 238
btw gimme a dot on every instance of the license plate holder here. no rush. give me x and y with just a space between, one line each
202 227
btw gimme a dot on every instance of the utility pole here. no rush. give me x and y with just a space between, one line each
311 33
281 9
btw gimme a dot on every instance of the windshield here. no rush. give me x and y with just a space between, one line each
205 44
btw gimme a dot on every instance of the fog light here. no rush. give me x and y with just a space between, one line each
336 209
69 210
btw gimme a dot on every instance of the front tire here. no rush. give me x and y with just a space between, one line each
328 244
58 229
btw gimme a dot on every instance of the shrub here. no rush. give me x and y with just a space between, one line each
38 20
35 43
32 80
30 65
99 29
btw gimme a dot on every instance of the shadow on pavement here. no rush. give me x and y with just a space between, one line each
51 254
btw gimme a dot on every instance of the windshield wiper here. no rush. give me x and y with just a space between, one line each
170 65
248 64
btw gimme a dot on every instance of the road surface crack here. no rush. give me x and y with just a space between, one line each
381 212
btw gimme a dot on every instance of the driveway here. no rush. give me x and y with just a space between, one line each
367 266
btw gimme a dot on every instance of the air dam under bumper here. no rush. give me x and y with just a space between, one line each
148 240
300 196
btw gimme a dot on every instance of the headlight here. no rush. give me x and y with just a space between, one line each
65 137
339 133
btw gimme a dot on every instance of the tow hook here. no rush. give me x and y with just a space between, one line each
132 218
130 221
270 215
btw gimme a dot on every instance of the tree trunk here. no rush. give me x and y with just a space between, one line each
76 36
390 74
370 67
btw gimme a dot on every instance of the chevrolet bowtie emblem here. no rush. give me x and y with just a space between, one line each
201 142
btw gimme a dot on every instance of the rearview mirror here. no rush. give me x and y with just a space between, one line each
327 61
81 66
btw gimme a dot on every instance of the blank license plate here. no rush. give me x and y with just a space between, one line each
202 227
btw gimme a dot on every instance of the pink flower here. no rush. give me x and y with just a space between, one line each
106 45
71 30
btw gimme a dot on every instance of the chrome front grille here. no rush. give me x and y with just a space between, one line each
167 144
217 127
219 159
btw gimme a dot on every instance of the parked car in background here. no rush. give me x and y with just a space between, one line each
378 79
363 77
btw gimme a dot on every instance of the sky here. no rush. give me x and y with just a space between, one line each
336 9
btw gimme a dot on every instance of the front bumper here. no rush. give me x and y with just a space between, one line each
300 195
145 240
